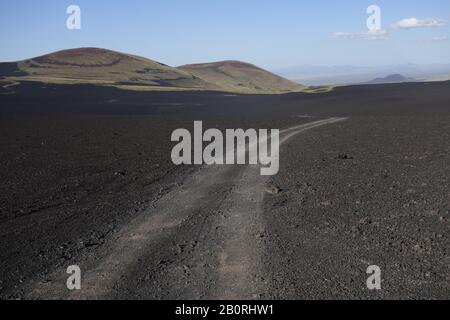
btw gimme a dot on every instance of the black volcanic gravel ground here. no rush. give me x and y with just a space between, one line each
369 191
79 162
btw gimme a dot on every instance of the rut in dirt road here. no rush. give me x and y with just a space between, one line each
215 215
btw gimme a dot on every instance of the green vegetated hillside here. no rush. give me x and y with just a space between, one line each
241 77
106 67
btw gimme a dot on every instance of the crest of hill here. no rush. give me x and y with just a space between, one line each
241 77
101 66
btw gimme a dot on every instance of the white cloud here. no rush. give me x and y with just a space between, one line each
417 23
369 35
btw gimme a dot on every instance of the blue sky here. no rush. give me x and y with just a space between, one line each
272 34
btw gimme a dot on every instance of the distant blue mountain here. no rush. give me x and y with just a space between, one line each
393 78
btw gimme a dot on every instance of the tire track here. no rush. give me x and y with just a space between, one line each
238 252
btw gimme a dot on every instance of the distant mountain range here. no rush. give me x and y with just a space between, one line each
106 67
393 78
343 75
